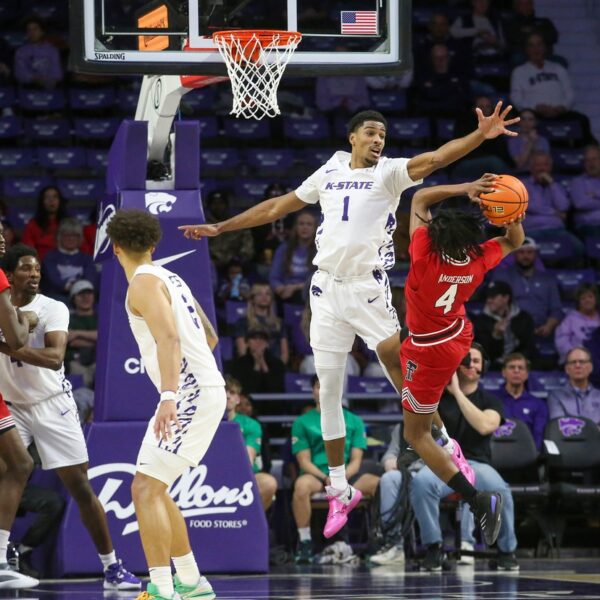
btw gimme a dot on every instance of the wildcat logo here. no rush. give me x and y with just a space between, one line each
506 429
571 426
159 202
102 239
192 495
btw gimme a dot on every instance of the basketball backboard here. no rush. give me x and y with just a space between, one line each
148 37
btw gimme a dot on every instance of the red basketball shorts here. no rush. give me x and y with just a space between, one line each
428 370
6 420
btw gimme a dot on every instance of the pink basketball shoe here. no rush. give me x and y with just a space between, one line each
458 458
339 507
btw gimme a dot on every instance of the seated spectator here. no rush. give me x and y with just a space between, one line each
292 264
258 370
578 398
260 314
521 25
481 29
518 402
231 244
471 415
309 449
491 157
37 61
7 234
440 90
545 87
585 194
534 291
578 325
503 328
67 264
40 231
529 141
252 433
234 286
80 356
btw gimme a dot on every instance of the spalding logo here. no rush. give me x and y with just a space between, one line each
102 240
190 493
159 202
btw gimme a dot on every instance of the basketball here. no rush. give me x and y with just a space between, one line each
506 202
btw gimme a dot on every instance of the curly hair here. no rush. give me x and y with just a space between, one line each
456 234
134 230
14 254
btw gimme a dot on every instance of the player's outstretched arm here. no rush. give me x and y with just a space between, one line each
487 128
14 325
264 212
513 238
425 198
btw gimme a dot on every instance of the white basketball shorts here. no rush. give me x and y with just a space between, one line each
55 428
343 308
199 410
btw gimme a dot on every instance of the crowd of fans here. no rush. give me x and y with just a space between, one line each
528 317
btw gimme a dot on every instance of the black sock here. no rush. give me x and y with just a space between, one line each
460 484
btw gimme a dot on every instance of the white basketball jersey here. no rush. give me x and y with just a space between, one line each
197 360
359 213
22 383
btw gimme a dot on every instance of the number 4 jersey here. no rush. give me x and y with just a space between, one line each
359 213
436 290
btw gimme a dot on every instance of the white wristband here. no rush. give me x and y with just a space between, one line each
168 395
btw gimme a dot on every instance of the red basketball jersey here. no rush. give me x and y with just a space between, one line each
4 285
436 290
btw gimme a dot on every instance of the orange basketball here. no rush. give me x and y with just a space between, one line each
508 201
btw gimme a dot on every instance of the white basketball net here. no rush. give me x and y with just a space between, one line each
255 65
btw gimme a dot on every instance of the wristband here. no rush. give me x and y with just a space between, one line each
168 395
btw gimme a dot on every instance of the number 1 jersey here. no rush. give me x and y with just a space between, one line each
436 290
359 213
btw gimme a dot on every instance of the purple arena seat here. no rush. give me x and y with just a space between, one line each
234 311
561 131
569 160
369 385
389 102
24 187
226 347
556 249
16 158
61 158
306 129
209 127
127 101
250 191
95 129
41 100
413 129
546 381
247 129
292 314
96 158
570 279
10 127
200 99
298 383
492 382
82 189
215 161
7 96
48 131
269 161
92 99
445 129
592 247
316 157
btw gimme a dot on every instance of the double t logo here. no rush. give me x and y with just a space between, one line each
411 367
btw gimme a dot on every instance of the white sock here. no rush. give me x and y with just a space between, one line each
161 577
449 445
337 475
108 559
4 535
304 533
187 569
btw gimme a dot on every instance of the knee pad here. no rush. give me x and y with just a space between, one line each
330 367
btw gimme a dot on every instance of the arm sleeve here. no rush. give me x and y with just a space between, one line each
393 450
300 440
276 274
539 424
57 318
359 434
492 254
396 177
309 189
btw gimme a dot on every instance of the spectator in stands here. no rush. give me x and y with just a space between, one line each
577 326
80 356
545 87
578 398
261 314
234 286
521 25
490 158
441 90
7 233
235 244
471 415
292 264
268 237
308 447
585 193
40 231
481 29
37 62
534 291
252 433
519 402
390 82
503 328
391 503
258 370
528 142
5 62
67 264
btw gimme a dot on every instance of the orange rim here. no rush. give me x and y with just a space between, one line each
264 36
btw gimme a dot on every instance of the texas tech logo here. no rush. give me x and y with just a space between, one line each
411 367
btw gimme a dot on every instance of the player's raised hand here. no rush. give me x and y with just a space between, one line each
481 186
166 416
497 122
197 232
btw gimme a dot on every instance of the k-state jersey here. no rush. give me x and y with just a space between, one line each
198 365
21 383
359 213
436 290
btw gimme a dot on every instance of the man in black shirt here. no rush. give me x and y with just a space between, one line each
471 415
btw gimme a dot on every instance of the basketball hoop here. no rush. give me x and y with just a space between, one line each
256 60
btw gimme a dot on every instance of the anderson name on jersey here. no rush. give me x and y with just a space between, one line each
27 384
359 213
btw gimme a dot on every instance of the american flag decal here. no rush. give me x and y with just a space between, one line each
359 22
